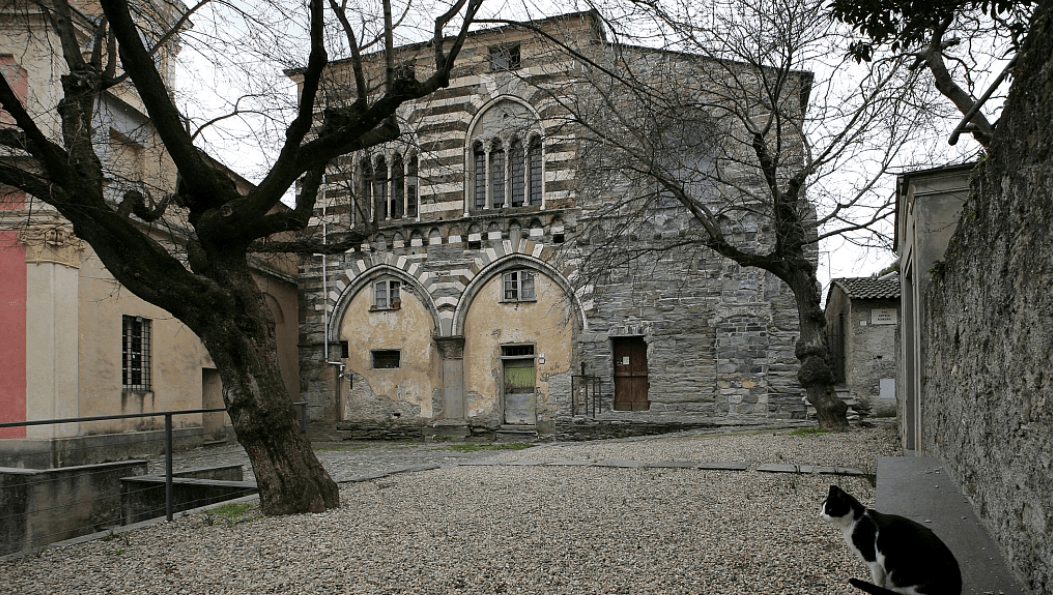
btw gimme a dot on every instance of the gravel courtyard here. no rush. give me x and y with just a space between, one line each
514 527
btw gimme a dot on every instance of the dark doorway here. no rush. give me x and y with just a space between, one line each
630 374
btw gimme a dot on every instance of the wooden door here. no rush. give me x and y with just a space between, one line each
630 374
519 392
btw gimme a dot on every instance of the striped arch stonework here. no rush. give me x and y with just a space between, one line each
444 292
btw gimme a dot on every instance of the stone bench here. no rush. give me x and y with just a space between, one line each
920 489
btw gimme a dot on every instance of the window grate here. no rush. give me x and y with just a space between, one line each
386 359
135 353
517 350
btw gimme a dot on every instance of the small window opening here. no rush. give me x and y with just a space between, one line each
516 350
345 350
519 286
405 71
506 57
386 358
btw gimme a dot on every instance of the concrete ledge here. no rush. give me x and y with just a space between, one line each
920 489
840 471
779 468
717 466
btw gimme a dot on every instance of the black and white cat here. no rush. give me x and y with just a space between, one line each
903 556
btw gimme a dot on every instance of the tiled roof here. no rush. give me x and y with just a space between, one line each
870 288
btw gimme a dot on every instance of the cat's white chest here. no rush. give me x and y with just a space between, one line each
846 532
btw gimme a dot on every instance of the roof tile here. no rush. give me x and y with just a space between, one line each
870 288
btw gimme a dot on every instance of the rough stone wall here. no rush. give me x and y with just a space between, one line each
870 348
720 338
873 355
988 411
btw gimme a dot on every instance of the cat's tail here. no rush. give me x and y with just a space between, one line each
870 588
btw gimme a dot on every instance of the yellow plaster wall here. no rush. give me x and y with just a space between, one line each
489 324
285 309
177 356
408 329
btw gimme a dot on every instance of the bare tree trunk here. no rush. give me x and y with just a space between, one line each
289 475
815 374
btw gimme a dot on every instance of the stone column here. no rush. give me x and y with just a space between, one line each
452 351
53 257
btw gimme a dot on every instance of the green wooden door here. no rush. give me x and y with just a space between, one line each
519 391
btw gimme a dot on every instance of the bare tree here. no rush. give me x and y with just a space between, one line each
212 291
746 119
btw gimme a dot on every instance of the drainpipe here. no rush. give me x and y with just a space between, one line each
325 309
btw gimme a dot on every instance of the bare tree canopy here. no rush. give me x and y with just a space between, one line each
749 120
121 51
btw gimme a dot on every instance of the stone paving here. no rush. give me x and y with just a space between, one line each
349 461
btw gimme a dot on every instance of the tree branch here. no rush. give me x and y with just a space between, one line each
154 94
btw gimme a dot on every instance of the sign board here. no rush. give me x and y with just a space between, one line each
883 316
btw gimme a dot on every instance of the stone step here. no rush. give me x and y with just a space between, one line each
516 433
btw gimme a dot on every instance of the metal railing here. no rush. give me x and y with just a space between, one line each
585 394
169 431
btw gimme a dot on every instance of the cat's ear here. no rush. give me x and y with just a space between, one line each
834 491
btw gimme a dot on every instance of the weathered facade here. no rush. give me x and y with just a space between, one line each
862 322
73 341
476 303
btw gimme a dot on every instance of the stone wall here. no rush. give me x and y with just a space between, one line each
989 401
870 348
42 506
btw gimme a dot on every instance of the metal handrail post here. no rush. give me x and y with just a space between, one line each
169 496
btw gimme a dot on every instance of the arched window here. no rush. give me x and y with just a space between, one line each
398 187
534 166
365 191
480 176
515 172
497 176
503 155
411 187
380 189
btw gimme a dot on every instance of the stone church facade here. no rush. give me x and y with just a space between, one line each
475 302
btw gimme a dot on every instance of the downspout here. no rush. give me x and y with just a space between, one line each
325 306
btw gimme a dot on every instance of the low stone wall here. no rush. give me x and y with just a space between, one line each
367 430
38 507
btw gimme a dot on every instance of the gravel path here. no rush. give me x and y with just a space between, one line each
513 527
